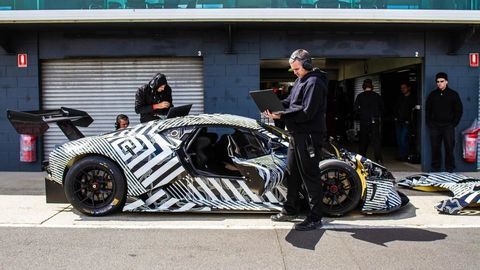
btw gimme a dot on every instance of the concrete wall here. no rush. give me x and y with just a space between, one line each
344 43
19 90
229 77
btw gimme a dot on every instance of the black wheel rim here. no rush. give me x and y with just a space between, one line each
94 187
339 187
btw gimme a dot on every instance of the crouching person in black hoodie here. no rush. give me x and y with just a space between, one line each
154 99
304 117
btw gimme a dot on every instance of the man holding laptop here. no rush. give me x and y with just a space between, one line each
304 115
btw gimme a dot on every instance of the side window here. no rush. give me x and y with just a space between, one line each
248 145
176 135
208 151
210 148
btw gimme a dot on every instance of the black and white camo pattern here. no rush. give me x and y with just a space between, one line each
157 181
270 168
198 194
61 156
150 164
146 157
220 194
381 196
466 190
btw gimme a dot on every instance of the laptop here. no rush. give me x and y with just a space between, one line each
267 100
179 111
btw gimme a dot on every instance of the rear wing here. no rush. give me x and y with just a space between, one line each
36 122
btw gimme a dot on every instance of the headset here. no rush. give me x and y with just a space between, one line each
117 121
303 57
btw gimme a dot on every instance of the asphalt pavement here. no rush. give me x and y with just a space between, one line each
37 235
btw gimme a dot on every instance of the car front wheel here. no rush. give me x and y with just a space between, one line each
95 186
342 189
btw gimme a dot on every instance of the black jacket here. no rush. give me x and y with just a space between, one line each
443 108
368 106
146 97
306 104
404 107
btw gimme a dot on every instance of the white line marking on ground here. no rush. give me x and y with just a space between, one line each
226 227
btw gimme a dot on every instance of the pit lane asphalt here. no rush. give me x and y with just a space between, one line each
36 235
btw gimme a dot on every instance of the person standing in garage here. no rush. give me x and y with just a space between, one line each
369 107
304 117
403 120
154 99
443 112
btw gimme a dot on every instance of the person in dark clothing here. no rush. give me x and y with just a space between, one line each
121 122
369 107
403 120
154 99
304 117
443 112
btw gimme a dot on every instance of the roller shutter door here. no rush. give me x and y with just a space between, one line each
106 87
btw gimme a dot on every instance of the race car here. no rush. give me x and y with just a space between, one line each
195 163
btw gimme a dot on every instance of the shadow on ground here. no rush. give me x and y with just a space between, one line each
305 240
308 240
383 236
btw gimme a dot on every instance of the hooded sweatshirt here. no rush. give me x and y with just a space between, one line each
306 105
146 97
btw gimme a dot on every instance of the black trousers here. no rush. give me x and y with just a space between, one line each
445 134
370 132
302 168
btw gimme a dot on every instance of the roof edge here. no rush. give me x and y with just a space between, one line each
241 15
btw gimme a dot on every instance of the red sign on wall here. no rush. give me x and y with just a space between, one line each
22 60
473 59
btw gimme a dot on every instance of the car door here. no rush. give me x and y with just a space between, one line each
251 154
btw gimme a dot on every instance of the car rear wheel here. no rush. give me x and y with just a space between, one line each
342 189
95 186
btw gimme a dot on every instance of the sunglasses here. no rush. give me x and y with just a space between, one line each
441 81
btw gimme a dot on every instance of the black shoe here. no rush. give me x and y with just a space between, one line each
281 217
308 225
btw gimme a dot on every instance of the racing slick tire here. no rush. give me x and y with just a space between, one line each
342 188
95 186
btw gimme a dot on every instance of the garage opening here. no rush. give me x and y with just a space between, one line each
106 87
345 83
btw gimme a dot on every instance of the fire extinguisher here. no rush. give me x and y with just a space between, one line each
470 147
28 148
470 136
